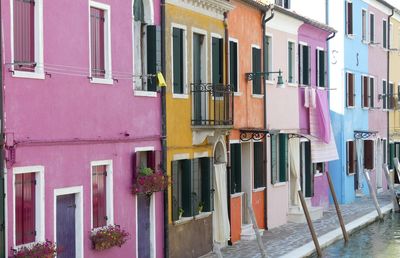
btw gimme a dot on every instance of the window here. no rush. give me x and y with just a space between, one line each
371 92
350 90
236 168
321 68
258 158
217 61
283 3
306 169
100 51
291 62
233 65
192 185
390 97
279 158
319 168
256 56
368 154
351 157
365 96
364 25
305 64
27 37
102 193
268 56
28 204
349 18
384 94
178 46
371 28
384 34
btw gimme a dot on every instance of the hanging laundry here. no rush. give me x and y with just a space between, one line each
312 98
307 97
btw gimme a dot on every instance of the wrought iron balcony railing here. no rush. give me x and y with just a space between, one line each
212 105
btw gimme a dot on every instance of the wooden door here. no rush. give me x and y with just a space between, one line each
143 218
66 238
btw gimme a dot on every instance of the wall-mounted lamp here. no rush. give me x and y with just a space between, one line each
251 76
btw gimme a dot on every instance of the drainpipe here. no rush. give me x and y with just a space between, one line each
2 167
264 24
387 79
228 158
164 131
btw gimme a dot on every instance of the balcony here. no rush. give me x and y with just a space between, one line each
212 106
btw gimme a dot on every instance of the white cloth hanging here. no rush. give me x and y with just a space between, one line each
360 160
221 220
307 97
294 156
313 101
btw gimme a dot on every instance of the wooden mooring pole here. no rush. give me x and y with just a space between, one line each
309 222
390 183
373 194
339 213
255 227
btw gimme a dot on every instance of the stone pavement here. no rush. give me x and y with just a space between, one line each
284 239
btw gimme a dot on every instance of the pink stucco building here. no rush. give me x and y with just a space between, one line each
80 120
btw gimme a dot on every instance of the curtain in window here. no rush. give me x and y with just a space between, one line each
222 232
138 10
294 159
360 161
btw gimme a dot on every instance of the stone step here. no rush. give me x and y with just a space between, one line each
248 232
296 214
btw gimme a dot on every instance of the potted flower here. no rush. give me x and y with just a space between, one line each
148 181
45 249
107 237
180 212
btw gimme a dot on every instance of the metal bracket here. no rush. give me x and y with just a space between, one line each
364 134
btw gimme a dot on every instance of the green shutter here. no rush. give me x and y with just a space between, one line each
186 186
267 53
300 53
290 61
309 175
217 61
385 97
274 159
256 53
196 194
175 190
207 185
233 65
384 36
138 10
371 92
283 157
321 68
197 94
177 35
309 65
236 167
258 165
391 155
153 55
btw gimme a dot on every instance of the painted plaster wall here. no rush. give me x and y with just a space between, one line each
67 107
354 55
179 131
315 38
378 119
394 75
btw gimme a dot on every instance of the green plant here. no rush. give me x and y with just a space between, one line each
180 212
145 171
107 237
201 207
45 249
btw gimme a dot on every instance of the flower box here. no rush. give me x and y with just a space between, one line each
148 182
108 236
45 249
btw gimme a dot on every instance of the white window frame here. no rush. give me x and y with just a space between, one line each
252 69
39 202
108 79
282 3
371 36
185 94
236 93
293 83
38 27
109 190
364 30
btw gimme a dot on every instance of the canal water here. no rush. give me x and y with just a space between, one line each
380 239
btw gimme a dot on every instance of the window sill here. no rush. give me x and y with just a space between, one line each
203 215
237 94
142 93
235 195
279 184
102 81
292 84
257 96
318 174
351 107
351 174
183 220
28 75
365 42
180 96
260 189
351 36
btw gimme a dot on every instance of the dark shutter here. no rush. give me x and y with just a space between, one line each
351 157
390 97
186 186
207 183
371 28
175 190
153 55
151 159
371 92
25 208
256 53
274 161
236 168
305 66
258 165
290 61
267 56
99 190
384 35
24 34
391 155
385 97
309 174
350 90
217 61
196 194
138 10
177 38
233 65
309 65
283 157
300 53
321 68
349 18
369 154
365 95
97 22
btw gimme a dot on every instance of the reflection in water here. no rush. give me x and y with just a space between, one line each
380 239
